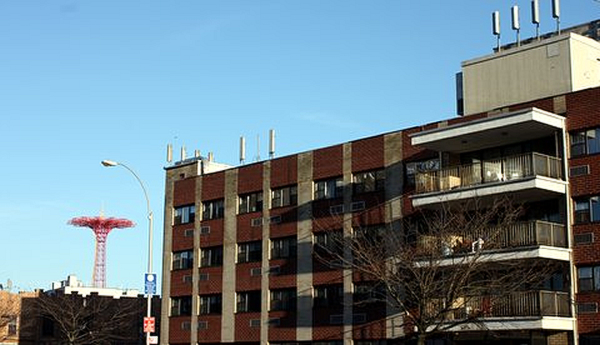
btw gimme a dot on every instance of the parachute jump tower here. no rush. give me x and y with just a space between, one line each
101 227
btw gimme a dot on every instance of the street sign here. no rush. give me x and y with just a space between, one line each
153 339
149 323
150 284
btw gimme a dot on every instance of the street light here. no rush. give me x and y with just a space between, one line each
109 163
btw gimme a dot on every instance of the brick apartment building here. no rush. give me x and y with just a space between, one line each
239 264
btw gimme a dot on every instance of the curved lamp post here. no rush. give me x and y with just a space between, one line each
109 163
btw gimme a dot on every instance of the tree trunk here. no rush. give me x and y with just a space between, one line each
421 339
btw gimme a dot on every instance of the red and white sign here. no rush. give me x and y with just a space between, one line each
149 323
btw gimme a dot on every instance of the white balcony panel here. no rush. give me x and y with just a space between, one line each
541 252
535 188
490 132
518 323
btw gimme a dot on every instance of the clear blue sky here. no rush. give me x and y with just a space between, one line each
82 81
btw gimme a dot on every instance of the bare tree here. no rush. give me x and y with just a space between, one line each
9 312
91 319
450 266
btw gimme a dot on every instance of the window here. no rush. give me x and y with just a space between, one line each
252 202
585 142
587 210
210 304
181 305
12 325
183 260
329 242
212 256
329 189
184 214
329 296
589 278
213 209
286 196
282 248
368 293
369 181
413 168
250 251
283 299
47 326
248 301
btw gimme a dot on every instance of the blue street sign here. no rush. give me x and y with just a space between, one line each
150 284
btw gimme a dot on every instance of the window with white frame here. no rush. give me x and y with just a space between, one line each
184 214
211 256
282 248
252 202
249 251
283 299
587 210
210 304
213 209
248 301
285 196
369 181
328 242
181 305
589 278
585 142
183 260
368 292
328 296
329 189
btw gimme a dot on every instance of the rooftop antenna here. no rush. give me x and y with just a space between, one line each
535 17
496 28
169 153
257 148
242 150
556 14
271 143
515 23
183 156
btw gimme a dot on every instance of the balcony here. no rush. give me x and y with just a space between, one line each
521 234
522 240
518 304
535 175
492 131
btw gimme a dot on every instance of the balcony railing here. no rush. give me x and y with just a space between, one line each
521 234
498 170
518 304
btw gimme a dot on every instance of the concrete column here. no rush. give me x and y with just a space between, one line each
166 269
196 263
394 185
347 231
264 281
304 278
229 251
171 176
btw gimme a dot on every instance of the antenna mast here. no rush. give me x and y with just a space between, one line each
496 28
535 17
556 14
515 23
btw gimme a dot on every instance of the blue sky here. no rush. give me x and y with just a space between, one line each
82 81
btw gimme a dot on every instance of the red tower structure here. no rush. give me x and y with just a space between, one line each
101 227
